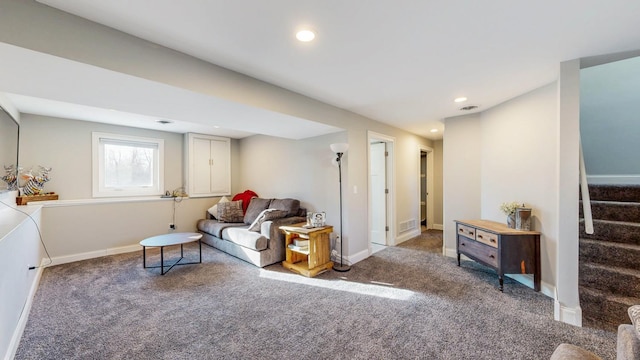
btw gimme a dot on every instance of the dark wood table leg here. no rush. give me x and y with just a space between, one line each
161 260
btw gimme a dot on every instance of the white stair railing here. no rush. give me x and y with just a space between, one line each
586 199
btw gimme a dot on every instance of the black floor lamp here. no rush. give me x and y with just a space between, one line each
340 149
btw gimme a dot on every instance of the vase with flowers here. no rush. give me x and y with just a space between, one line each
509 209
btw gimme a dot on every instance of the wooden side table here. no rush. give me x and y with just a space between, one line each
313 261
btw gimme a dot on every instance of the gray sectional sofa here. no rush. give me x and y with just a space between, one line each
263 244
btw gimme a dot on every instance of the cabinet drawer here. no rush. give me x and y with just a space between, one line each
478 251
487 238
467 231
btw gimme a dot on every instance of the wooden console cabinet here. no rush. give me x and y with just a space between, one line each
497 246
313 261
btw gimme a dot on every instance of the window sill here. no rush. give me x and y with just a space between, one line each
80 202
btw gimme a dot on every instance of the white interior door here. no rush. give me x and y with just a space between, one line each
378 193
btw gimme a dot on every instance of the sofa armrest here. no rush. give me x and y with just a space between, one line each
628 346
271 229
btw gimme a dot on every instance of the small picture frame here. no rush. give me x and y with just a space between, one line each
318 219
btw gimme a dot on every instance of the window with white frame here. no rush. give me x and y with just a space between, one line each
127 165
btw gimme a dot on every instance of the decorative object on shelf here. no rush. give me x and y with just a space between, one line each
523 218
11 177
509 209
340 149
318 219
35 182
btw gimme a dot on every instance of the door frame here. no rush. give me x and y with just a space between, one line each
391 171
430 187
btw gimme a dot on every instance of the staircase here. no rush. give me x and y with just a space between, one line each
609 274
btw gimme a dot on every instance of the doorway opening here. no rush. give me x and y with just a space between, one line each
381 213
425 188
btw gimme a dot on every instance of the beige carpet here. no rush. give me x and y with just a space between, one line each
405 302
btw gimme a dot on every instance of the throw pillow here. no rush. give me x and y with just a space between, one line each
214 209
230 212
256 205
266 215
634 315
291 206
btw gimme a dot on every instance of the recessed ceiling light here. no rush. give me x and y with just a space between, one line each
164 122
305 35
467 108
460 99
433 130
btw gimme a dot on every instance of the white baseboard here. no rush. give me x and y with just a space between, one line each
24 316
438 227
527 280
451 252
571 316
94 254
406 236
613 179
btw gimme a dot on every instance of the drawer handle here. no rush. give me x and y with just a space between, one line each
461 230
479 236
462 244
492 240
470 232
492 256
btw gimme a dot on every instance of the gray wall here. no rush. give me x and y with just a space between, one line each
610 121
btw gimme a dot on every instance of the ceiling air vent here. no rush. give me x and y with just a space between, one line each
469 107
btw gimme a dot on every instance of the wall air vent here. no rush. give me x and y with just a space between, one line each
469 107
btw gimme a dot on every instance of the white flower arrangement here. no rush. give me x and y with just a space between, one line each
509 208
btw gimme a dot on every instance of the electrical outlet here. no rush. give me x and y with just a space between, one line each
172 226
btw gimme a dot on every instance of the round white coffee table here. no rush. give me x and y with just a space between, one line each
168 240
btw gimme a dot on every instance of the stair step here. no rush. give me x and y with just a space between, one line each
613 231
614 280
609 253
603 310
615 192
614 211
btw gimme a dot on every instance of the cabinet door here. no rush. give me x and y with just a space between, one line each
220 161
201 163
208 171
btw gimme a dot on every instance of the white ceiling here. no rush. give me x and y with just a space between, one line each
400 62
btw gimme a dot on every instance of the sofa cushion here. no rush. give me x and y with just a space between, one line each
214 227
634 315
266 215
245 238
291 206
214 209
256 206
231 212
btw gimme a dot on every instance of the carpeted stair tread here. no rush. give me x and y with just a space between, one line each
614 211
601 309
613 231
614 254
615 192
615 280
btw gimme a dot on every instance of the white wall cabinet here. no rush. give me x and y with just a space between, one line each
208 165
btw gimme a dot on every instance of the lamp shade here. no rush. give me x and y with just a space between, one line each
339 147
